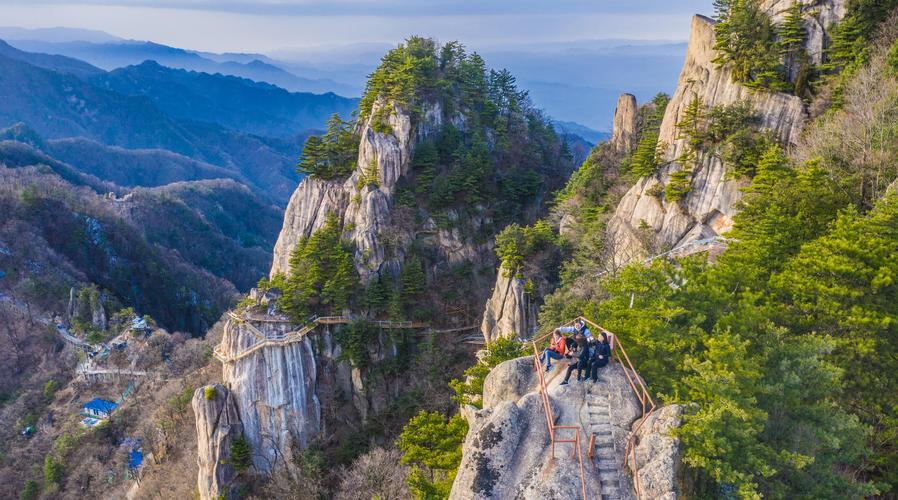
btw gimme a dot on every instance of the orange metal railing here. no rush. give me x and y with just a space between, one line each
636 383
550 419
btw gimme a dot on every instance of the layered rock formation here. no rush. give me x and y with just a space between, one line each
625 122
217 425
707 209
274 391
509 312
507 452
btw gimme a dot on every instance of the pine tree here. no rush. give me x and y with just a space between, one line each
433 447
745 43
241 453
678 185
413 280
772 167
322 273
721 10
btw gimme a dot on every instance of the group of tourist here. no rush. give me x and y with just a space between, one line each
584 353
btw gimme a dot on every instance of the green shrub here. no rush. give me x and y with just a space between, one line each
210 393
54 470
30 491
678 185
50 389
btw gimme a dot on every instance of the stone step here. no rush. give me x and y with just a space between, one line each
606 444
607 470
609 484
602 432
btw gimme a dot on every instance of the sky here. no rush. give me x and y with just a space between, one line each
270 25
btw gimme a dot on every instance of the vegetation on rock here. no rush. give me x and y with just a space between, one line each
322 274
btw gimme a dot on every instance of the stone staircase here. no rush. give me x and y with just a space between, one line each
608 448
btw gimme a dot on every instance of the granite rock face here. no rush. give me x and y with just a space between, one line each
217 425
274 391
509 312
363 202
623 134
708 209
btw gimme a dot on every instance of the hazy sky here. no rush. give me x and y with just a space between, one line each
266 25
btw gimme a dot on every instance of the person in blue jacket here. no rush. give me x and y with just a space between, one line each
579 327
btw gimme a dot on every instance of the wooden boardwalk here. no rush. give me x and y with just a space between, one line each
281 339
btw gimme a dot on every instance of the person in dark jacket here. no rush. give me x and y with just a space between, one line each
600 357
584 354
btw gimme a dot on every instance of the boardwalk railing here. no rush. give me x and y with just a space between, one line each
636 383
550 418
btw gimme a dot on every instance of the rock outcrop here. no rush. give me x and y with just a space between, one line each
507 452
274 391
509 312
659 457
708 208
363 201
217 425
625 120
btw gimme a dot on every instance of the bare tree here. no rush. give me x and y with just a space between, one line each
376 474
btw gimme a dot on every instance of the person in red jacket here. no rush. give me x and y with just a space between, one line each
555 350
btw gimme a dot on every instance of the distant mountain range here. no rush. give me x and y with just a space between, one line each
574 81
235 103
116 54
195 125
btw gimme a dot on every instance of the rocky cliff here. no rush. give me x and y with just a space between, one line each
274 391
707 209
364 200
507 452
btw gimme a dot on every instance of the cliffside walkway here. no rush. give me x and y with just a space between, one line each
601 444
284 338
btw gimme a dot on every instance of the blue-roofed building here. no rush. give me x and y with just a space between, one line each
98 408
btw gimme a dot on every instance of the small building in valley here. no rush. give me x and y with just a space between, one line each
98 408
